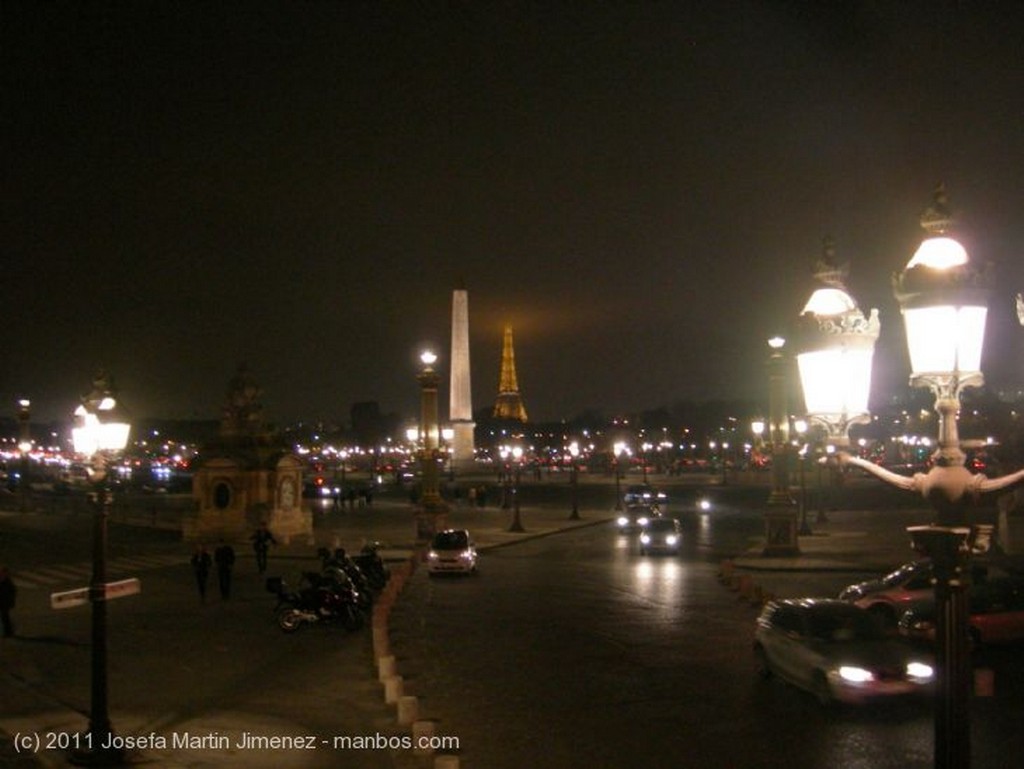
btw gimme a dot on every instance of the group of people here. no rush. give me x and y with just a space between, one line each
224 560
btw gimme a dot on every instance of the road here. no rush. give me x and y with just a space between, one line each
574 651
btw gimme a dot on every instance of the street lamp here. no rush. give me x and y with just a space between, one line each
836 346
432 509
780 518
100 432
24 447
517 524
801 426
943 301
574 471
618 449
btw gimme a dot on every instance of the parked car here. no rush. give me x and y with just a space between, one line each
890 597
661 535
836 651
452 551
643 494
636 517
996 614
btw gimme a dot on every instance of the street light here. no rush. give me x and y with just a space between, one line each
432 509
943 301
836 346
574 470
100 432
780 518
618 450
517 524
24 447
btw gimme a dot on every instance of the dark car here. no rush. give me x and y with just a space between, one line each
909 587
643 494
836 651
996 614
661 535
636 517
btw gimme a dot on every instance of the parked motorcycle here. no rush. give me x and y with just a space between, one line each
319 599
368 559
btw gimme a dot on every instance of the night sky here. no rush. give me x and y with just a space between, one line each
641 189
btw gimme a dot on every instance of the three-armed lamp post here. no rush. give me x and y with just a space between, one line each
835 350
430 515
943 301
100 432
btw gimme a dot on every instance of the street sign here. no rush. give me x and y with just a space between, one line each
69 598
111 590
122 588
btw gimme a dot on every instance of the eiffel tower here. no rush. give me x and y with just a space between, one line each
510 403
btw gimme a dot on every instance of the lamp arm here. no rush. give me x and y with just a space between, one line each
988 485
907 483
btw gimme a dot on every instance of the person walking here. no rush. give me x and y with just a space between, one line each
261 541
201 563
8 594
224 557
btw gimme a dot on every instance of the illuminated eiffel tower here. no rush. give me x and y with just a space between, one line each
510 403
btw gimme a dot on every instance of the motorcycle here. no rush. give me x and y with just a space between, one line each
373 565
318 599
339 562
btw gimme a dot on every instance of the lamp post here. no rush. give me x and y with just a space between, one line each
780 519
943 301
801 429
430 515
100 432
24 447
517 524
574 479
617 451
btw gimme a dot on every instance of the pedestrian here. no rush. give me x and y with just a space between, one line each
224 557
201 563
8 594
261 541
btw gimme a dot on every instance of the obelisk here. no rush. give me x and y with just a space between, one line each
461 398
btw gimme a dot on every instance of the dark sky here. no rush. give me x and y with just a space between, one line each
641 189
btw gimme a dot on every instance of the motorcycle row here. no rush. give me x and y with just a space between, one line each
342 592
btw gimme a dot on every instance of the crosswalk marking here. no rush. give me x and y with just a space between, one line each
48 576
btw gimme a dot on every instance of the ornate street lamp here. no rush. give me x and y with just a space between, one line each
943 301
780 518
100 433
430 515
574 472
835 348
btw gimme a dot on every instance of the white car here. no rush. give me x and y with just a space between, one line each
836 651
452 552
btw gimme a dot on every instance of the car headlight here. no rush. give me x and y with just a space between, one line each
466 555
643 521
920 671
671 539
623 520
432 555
704 504
855 675
645 538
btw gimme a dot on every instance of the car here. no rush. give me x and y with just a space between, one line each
996 614
661 535
636 517
837 651
908 587
452 552
643 494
